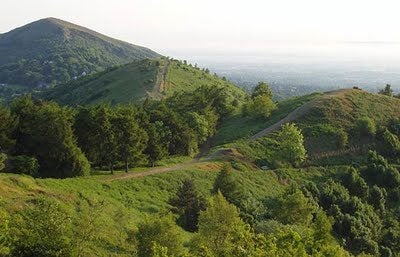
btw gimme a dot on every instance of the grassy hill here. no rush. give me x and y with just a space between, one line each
325 120
136 81
51 50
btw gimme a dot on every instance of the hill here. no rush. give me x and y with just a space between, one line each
328 122
136 81
50 50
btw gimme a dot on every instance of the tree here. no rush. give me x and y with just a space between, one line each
355 183
188 204
262 88
392 143
159 140
43 229
387 90
7 126
162 232
223 233
261 106
227 185
295 208
131 140
290 147
45 132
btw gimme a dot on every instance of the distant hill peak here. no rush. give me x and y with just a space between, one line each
51 51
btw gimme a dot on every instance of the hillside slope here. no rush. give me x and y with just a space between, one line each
136 81
328 123
51 50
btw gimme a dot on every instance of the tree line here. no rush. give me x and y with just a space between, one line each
44 139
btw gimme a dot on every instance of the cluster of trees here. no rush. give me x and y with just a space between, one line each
44 139
234 223
364 207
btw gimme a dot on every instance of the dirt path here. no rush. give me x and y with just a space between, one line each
159 86
297 113
150 171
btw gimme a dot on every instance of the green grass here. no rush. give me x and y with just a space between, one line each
136 81
181 77
239 127
121 204
128 83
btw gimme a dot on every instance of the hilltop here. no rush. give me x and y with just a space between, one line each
329 122
49 51
154 78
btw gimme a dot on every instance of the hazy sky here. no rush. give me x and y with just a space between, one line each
179 25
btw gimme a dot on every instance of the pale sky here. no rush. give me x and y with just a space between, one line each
173 25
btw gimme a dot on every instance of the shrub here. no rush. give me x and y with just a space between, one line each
162 232
24 165
365 127
3 158
43 229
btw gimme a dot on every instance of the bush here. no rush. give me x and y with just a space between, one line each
160 232
24 165
333 136
365 127
3 158
43 229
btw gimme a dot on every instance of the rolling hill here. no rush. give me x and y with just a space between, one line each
328 122
136 81
50 50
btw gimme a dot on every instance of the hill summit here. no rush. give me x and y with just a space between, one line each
49 51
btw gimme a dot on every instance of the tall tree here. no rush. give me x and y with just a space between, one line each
45 132
188 204
290 145
131 140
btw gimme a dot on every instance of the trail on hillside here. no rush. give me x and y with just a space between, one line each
150 171
204 150
297 113
159 86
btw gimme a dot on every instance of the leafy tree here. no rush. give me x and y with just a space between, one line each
160 231
45 132
261 106
188 204
290 147
159 140
387 90
262 88
355 183
131 140
223 233
295 208
377 198
43 229
7 126
365 127
379 172
228 185
392 143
